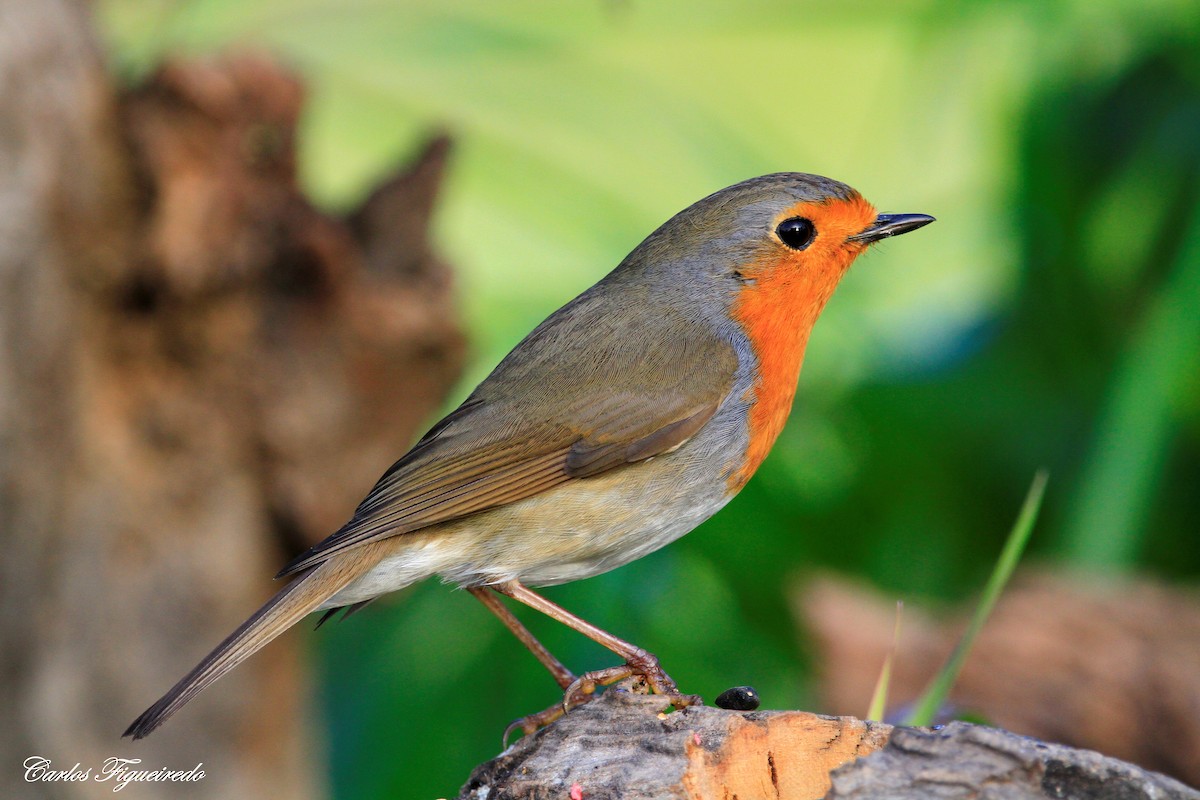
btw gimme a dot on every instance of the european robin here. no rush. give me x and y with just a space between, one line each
623 421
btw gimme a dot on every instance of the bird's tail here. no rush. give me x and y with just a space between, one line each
294 602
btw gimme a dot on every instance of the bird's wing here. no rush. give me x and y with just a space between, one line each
593 418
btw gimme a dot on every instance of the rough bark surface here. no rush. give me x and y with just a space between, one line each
1101 663
978 763
619 746
199 372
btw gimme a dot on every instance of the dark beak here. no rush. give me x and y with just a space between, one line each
886 225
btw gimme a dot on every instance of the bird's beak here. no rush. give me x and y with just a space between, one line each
886 225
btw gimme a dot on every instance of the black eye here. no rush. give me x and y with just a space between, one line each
797 232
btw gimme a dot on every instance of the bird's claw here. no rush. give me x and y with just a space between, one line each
583 689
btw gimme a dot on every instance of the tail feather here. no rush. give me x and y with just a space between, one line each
353 608
294 602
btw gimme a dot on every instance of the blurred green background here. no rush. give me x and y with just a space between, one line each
1051 316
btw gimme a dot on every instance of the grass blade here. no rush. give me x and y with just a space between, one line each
879 696
935 696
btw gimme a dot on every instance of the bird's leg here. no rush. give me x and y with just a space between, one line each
575 691
637 660
563 676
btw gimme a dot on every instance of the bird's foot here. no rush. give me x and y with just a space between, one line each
643 665
531 723
654 680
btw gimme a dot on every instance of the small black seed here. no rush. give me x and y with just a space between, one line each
739 698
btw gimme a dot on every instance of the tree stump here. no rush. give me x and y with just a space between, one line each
200 374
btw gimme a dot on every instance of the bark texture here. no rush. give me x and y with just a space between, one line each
973 762
619 746
199 373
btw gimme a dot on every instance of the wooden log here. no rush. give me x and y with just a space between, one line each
621 746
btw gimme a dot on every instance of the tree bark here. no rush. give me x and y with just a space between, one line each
199 374
619 746
972 761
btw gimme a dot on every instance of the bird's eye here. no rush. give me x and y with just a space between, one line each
797 232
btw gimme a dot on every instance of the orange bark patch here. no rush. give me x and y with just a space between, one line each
787 756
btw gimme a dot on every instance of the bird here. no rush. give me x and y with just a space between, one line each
619 424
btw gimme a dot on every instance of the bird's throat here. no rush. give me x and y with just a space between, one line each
777 310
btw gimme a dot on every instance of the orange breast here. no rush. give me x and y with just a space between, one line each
777 309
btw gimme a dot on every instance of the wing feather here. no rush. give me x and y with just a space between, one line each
612 409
